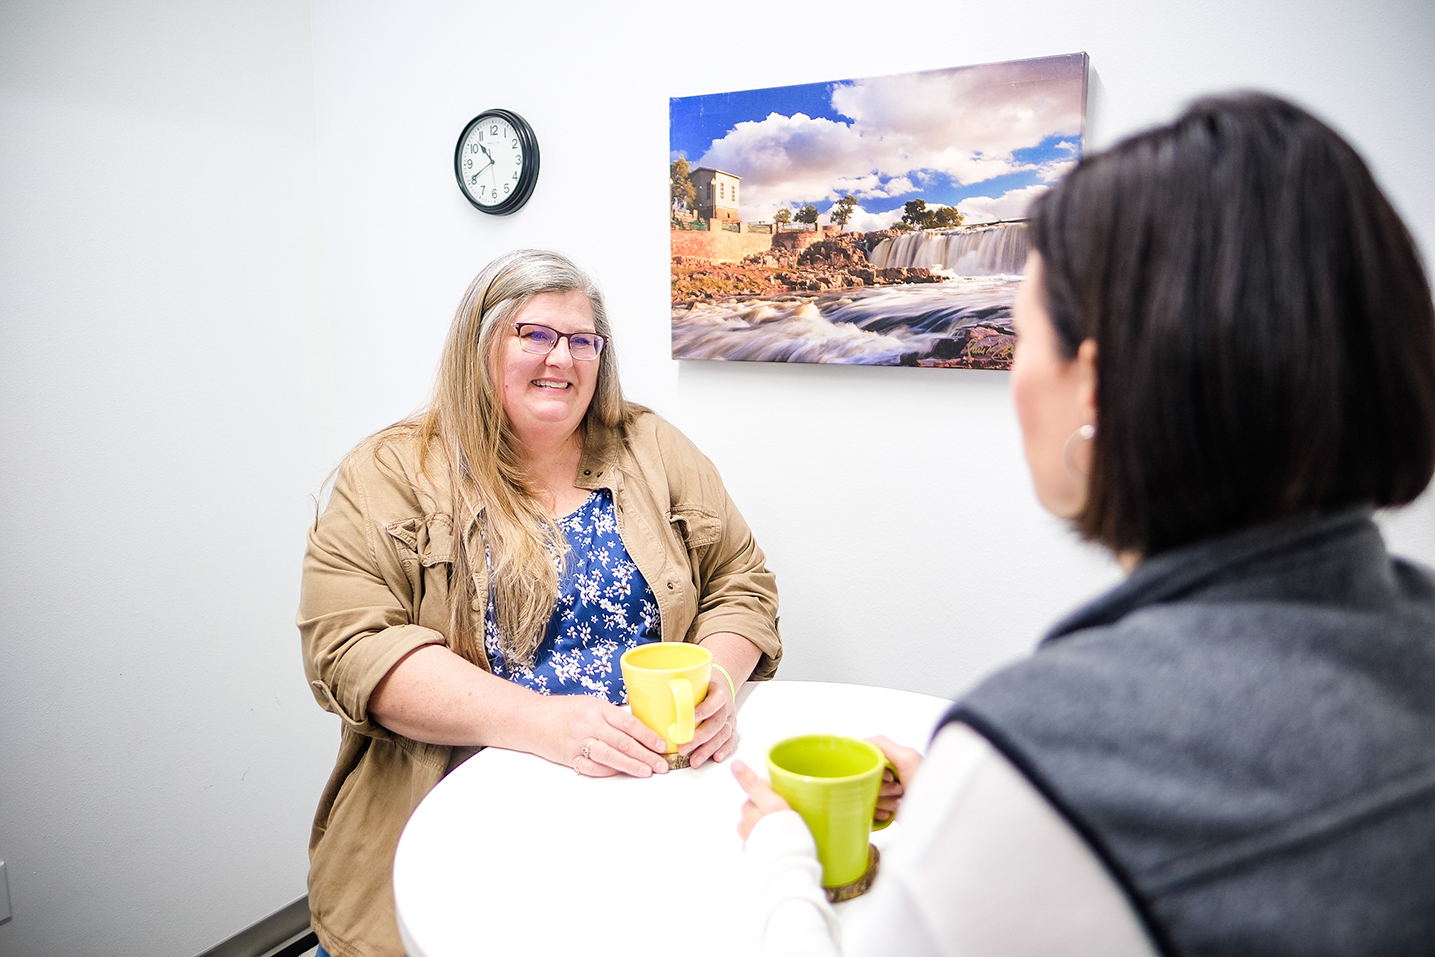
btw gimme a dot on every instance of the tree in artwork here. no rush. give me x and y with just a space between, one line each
842 212
945 216
808 214
916 214
914 211
684 193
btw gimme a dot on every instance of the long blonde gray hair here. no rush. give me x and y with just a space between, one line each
481 457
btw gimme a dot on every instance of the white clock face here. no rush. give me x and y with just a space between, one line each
491 160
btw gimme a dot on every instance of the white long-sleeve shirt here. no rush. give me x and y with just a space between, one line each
983 865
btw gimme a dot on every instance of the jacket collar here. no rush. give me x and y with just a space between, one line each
598 467
1326 557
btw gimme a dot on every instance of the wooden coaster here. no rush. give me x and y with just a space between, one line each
676 761
845 892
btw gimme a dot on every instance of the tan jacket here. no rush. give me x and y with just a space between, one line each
375 588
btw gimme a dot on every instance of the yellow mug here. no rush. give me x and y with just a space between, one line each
666 680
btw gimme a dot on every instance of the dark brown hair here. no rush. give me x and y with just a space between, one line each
1264 328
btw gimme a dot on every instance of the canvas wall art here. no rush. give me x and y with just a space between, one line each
875 221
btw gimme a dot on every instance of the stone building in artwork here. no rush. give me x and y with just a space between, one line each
716 194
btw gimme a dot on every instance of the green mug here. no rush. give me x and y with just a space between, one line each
833 782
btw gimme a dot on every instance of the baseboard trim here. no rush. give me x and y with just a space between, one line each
284 933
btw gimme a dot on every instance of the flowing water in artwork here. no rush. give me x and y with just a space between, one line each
871 325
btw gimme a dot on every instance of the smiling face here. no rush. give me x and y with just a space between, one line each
546 397
1054 397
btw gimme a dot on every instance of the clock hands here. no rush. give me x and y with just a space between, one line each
474 178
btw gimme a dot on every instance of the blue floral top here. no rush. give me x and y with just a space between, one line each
604 608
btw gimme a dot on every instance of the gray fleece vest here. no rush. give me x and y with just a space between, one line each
1244 731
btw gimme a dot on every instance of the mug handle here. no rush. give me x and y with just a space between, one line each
889 766
681 731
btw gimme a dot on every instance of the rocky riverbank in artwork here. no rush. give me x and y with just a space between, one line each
957 324
859 299
840 263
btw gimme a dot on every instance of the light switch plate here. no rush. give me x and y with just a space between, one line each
4 895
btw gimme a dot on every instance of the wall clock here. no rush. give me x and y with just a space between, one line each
496 161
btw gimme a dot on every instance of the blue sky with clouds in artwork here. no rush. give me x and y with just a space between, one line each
985 139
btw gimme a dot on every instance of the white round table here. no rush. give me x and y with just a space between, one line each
511 854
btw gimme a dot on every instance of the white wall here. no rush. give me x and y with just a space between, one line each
184 358
893 502
166 406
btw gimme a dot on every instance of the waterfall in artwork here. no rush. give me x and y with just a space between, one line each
995 250
956 314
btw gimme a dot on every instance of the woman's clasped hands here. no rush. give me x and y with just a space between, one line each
598 739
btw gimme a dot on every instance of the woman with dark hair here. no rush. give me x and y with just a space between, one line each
1225 361
481 568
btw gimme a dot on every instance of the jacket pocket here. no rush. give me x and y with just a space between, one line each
425 548
428 541
696 525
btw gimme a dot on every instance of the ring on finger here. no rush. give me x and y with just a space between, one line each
588 750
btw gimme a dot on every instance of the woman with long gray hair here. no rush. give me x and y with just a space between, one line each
480 569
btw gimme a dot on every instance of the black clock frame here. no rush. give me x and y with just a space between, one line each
528 174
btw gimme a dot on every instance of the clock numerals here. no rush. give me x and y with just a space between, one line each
496 161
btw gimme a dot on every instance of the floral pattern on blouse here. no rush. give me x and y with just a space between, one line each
604 608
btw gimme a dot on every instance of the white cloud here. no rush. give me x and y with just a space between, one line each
787 158
1051 172
966 123
1010 205
973 112
863 221
896 186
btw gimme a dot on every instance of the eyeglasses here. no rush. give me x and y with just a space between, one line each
540 340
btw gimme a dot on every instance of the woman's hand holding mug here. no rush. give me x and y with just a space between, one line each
762 800
715 736
598 739
907 761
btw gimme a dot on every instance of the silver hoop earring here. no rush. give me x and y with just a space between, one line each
1086 433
